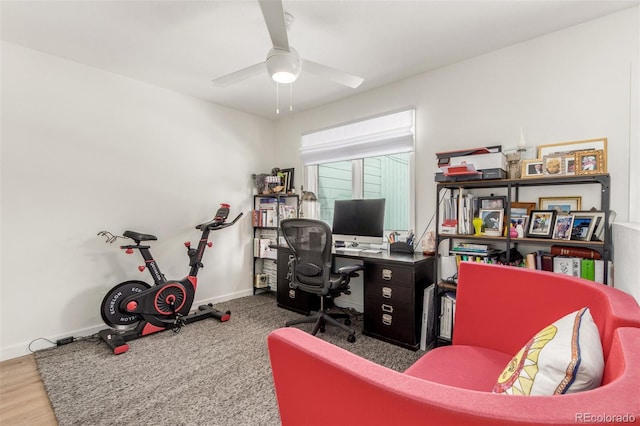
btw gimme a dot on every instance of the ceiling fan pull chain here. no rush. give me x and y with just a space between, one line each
290 96
277 98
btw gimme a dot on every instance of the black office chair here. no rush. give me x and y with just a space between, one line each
310 271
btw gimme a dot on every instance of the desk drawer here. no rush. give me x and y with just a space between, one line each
388 293
385 273
394 321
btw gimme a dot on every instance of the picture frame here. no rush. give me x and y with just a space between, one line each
569 162
532 168
589 162
541 224
521 208
492 202
287 179
563 226
560 204
522 221
553 165
492 221
599 226
583 225
566 148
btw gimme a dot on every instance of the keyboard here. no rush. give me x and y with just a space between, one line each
371 251
349 249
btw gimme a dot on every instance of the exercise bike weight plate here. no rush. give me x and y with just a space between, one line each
110 308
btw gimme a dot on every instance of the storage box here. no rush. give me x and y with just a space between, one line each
481 163
484 175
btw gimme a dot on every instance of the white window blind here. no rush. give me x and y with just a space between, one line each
388 134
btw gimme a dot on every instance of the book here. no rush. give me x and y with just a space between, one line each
599 272
530 260
576 252
576 266
546 261
587 269
471 246
563 265
539 254
427 332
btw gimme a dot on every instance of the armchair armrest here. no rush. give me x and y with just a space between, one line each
349 269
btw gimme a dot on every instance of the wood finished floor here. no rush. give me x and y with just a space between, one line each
23 400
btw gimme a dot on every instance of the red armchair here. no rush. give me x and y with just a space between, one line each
498 310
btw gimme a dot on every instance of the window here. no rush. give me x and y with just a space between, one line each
369 159
386 176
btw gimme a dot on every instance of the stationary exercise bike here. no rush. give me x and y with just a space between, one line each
135 309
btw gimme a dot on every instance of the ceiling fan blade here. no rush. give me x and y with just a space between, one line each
333 74
243 74
274 18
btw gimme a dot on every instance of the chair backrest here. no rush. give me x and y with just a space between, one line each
527 301
310 240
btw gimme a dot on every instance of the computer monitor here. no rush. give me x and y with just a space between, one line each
358 221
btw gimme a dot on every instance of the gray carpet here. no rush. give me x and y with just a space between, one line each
210 373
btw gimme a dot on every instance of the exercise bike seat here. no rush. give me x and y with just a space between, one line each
137 236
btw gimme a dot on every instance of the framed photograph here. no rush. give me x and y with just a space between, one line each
560 204
287 179
563 226
492 221
569 164
492 203
589 162
541 223
566 148
598 227
519 222
552 165
583 225
532 168
518 208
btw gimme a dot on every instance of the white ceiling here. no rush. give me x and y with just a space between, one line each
182 45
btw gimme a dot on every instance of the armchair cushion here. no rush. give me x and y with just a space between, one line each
564 357
459 366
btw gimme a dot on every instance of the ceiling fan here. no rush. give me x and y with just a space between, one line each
283 62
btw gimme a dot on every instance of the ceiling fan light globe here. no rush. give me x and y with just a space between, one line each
284 77
283 66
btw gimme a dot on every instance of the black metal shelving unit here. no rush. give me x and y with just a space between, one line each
513 187
258 262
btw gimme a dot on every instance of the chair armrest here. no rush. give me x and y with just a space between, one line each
318 383
349 269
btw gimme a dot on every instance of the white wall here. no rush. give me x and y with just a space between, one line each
85 150
570 85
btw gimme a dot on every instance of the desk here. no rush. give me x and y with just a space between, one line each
393 291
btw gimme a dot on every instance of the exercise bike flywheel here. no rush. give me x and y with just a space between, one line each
112 315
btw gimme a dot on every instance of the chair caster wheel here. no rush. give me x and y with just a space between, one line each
351 338
347 321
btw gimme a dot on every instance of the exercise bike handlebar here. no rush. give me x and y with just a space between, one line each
217 224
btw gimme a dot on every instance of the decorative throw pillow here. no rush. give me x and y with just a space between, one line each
564 357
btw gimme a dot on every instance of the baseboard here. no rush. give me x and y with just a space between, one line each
38 344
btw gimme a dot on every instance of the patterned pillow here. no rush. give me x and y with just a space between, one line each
564 357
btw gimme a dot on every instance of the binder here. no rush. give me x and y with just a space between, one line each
587 269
